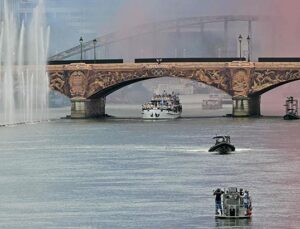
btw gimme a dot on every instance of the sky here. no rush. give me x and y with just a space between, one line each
276 35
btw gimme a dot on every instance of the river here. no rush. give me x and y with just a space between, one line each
132 173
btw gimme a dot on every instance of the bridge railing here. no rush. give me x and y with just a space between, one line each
102 61
279 59
194 59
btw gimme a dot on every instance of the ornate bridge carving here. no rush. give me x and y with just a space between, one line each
264 80
242 80
80 80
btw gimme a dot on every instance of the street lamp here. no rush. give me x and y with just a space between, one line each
240 40
158 60
94 42
81 41
249 48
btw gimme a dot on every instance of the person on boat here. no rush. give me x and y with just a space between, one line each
241 197
218 193
220 140
241 192
228 139
247 200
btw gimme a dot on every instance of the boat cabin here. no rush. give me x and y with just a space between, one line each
222 145
222 139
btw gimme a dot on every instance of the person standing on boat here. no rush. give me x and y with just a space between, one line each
247 202
218 193
241 197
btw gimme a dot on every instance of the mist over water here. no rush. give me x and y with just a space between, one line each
286 28
275 34
23 58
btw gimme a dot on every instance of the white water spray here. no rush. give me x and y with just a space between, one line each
23 59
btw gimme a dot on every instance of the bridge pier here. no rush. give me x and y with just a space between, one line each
87 108
246 106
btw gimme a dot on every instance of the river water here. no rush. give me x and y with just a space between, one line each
130 173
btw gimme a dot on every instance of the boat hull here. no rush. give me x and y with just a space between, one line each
233 217
222 148
160 114
290 117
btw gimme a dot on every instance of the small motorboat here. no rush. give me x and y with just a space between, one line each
235 205
291 105
222 145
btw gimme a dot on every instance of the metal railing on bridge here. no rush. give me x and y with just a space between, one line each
102 61
279 59
193 59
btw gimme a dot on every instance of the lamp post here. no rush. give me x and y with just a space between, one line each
249 48
240 40
81 41
94 42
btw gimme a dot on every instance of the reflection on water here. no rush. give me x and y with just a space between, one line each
233 223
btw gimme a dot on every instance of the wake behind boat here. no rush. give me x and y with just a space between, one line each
222 145
165 106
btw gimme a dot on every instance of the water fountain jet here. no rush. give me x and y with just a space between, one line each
23 59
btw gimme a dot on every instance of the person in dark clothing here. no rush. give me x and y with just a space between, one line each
241 192
218 193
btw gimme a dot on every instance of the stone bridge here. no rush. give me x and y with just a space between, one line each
87 85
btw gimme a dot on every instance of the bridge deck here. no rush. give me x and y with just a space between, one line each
185 65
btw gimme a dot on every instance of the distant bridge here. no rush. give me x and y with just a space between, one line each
87 85
152 29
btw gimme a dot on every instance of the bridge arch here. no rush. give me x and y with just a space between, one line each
244 81
271 87
111 89
88 85
264 80
272 101
126 101
99 87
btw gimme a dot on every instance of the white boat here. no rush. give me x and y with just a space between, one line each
212 104
165 106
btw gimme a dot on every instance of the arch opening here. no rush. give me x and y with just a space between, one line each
198 99
273 100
